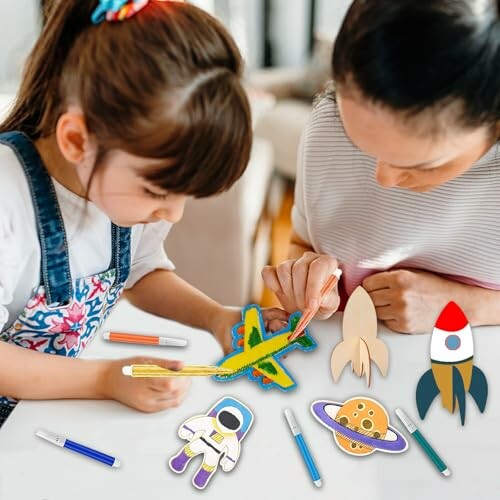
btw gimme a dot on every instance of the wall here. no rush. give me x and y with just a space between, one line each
19 27
329 16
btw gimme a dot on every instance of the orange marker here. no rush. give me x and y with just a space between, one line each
309 313
134 338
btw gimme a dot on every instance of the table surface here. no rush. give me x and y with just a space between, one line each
270 466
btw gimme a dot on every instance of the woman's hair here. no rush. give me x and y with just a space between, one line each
164 84
414 55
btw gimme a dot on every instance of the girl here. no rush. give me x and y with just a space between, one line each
400 168
125 110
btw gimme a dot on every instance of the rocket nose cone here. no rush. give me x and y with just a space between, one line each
452 318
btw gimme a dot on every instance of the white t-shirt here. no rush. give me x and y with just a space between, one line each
88 232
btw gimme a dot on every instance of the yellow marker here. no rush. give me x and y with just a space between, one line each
188 371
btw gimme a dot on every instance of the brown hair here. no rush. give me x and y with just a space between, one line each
164 84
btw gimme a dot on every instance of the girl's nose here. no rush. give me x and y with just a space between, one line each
388 176
173 210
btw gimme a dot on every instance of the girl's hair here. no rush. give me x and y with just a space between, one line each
412 55
164 84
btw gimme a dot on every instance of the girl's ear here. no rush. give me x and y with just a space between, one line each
73 138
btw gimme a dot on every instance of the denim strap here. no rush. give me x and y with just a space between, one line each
120 260
55 271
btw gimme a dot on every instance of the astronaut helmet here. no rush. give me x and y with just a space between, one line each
230 419
232 416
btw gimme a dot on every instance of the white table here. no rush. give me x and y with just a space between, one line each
270 466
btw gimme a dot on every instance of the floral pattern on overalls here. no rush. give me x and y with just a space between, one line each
63 315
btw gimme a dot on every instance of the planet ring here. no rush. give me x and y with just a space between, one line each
395 445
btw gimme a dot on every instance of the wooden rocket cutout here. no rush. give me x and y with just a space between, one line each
360 344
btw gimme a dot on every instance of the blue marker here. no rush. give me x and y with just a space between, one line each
304 450
78 448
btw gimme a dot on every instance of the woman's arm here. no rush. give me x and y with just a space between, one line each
298 247
410 301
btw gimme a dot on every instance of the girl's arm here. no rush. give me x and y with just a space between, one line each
165 294
26 374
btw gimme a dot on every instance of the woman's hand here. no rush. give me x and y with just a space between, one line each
297 283
410 301
223 321
145 394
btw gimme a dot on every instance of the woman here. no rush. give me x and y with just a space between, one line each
399 176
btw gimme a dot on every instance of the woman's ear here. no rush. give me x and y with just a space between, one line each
73 138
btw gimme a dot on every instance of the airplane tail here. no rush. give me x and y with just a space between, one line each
427 390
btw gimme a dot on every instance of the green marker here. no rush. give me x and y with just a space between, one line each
429 451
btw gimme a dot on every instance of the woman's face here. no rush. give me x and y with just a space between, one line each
409 156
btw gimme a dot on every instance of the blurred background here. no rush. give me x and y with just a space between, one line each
222 243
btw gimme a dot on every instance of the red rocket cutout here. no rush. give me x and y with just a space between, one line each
452 372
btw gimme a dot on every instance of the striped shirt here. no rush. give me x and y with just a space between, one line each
453 230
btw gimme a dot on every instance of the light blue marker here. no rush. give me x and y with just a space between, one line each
304 450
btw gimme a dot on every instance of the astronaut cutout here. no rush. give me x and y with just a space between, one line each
217 435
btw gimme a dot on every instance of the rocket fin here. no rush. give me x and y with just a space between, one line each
458 393
379 354
478 388
364 367
427 390
343 353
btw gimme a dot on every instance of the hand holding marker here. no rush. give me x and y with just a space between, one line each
309 312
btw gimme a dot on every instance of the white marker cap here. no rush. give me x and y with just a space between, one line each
127 370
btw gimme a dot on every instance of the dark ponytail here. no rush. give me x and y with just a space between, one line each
413 55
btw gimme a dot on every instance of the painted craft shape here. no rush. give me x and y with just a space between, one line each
360 426
217 436
257 353
452 371
359 344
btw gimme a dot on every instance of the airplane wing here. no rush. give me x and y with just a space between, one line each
274 371
253 328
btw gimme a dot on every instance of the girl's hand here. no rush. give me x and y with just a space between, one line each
144 394
274 319
409 301
297 283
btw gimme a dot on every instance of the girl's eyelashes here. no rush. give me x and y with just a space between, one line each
156 196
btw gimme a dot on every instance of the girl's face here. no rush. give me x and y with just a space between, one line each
411 158
119 190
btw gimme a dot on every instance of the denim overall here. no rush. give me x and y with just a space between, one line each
63 315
